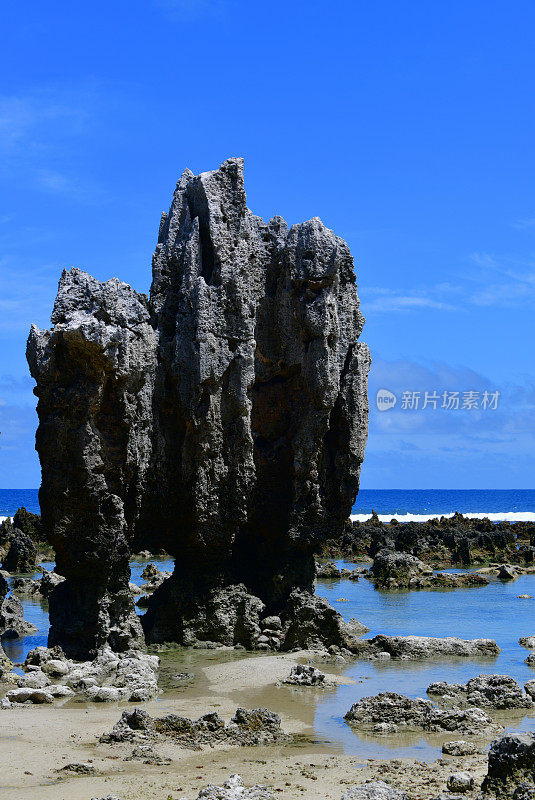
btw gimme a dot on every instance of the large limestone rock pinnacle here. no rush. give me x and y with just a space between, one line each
223 420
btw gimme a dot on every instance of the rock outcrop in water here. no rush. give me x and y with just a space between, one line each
439 542
20 552
223 420
388 712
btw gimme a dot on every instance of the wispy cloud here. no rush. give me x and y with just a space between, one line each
380 299
523 224
40 136
503 281
30 120
514 415
27 294
487 281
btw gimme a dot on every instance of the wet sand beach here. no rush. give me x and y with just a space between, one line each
37 740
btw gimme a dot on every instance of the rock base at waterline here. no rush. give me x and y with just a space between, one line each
232 616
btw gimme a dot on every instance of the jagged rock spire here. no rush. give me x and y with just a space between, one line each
224 420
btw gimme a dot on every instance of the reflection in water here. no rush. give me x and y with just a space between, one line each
492 611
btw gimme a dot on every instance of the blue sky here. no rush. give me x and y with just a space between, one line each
407 127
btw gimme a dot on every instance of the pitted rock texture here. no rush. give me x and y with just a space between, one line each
511 764
393 570
94 373
398 711
223 421
374 790
485 691
234 789
12 622
305 675
108 678
246 728
416 647
21 552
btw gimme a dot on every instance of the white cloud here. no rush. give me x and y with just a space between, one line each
515 414
502 281
26 294
523 224
395 302
41 132
379 299
33 119
489 282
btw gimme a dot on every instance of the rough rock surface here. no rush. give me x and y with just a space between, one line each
394 570
511 763
442 542
256 727
110 677
32 586
5 663
530 688
28 523
399 711
328 571
415 647
304 675
234 789
223 421
21 553
94 371
460 782
524 792
12 622
485 691
374 790
459 748
311 623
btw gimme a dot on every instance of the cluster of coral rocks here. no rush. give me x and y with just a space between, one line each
510 773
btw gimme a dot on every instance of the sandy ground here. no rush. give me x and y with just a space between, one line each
35 741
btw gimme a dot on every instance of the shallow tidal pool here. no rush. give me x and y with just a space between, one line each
492 611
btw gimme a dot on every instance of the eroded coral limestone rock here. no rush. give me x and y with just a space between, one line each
224 421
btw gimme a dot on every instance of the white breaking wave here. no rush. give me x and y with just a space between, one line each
499 516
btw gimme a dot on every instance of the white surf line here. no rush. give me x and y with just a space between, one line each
500 516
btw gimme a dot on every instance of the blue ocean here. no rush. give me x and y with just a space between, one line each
401 503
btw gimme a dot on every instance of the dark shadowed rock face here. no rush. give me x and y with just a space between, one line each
224 421
511 766
20 550
28 523
94 371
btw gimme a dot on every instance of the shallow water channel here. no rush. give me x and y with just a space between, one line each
492 611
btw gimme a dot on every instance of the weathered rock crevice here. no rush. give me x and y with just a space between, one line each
223 420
